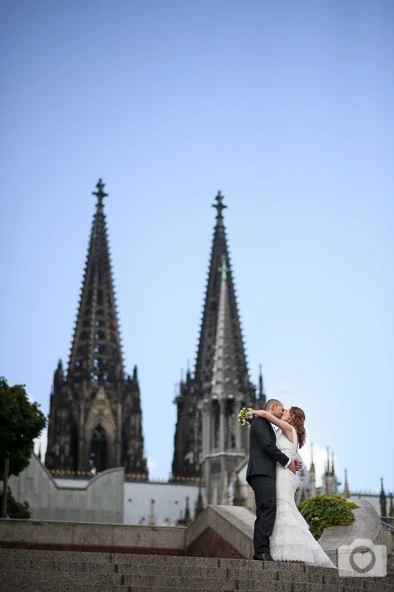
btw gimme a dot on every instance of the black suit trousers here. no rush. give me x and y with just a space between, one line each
264 488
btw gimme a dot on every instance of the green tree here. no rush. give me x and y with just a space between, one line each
15 509
327 510
21 422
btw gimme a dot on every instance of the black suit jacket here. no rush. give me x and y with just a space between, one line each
263 452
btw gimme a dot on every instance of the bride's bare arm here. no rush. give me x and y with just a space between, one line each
283 425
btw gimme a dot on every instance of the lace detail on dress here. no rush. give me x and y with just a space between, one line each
291 539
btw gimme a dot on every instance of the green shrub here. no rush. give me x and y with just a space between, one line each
14 508
327 510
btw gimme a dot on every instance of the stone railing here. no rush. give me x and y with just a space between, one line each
366 526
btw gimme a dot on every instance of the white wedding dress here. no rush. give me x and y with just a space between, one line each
291 539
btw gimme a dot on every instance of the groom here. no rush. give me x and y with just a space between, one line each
261 476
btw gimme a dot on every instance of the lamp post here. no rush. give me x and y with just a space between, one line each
5 483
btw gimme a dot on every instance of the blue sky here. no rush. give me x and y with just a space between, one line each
287 108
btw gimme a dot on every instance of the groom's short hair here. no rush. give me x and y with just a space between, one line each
270 403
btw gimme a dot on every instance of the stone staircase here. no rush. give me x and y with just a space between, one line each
28 570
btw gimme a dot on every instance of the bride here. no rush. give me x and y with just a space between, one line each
291 539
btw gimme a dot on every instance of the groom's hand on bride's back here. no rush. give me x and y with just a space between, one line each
298 464
295 465
292 467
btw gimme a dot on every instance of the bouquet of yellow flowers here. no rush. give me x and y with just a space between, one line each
245 417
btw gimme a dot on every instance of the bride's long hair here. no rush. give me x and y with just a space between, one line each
297 419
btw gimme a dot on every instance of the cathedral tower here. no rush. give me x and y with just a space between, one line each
95 410
208 437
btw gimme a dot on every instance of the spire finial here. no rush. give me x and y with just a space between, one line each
199 506
100 194
219 205
188 373
261 386
152 520
312 463
383 509
346 491
187 511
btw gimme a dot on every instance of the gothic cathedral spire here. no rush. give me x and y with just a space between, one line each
95 411
224 442
96 349
221 369
205 352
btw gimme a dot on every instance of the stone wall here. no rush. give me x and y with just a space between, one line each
221 531
108 538
99 500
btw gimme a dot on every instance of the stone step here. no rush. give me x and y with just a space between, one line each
60 571
22 556
208 562
57 580
87 588
253 571
47 555
185 583
123 559
83 571
23 582
180 586
267 588
38 576
187 587
11 586
244 573
192 572
61 566
179 583
61 587
205 562
252 579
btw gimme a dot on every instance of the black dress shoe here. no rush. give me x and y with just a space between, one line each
262 557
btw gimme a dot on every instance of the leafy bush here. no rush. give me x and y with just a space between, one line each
327 510
14 508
